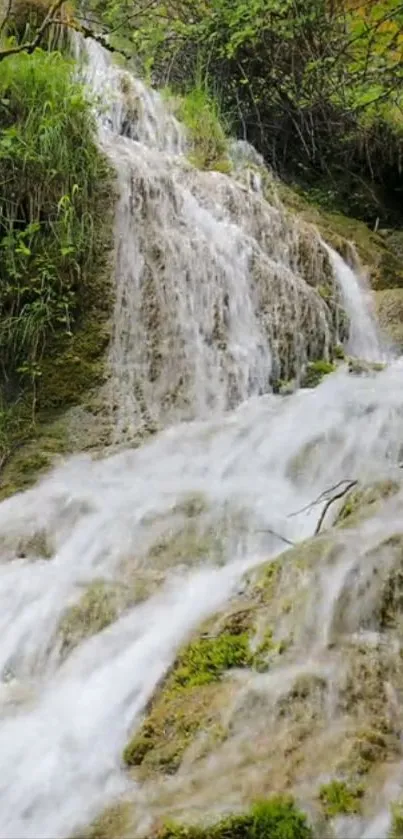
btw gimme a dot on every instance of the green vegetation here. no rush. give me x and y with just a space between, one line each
200 113
190 701
175 720
315 86
275 818
205 660
360 502
55 232
337 798
396 827
186 704
315 371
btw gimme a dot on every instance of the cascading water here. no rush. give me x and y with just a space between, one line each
211 304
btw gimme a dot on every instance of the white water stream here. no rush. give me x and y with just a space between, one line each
191 241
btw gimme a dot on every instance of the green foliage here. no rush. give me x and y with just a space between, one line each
200 113
316 86
206 659
53 193
315 371
274 818
337 798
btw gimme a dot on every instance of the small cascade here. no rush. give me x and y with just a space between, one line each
218 294
364 339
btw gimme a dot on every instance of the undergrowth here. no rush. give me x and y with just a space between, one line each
200 112
53 200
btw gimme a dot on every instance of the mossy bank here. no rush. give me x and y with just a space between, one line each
56 239
243 707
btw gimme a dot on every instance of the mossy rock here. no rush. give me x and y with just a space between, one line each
31 459
275 818
389 310
195 692
338 798
362 502
174 722
114 823
315 372
377 253
359 367
188 702
97 608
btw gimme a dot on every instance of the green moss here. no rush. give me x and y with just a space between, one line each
267 650
268 577
97 609
274 818
369 748
113 823
361 502
396 827
175 719
206 659
338 352
29 459
337 798
315 371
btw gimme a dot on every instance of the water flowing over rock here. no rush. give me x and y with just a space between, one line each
219 293
109 565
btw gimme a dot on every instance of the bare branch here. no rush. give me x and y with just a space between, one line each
322 497
330 501
50 20
30 46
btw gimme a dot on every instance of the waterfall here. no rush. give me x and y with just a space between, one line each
218 293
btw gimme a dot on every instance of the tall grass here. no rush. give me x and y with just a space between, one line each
52 189
199 110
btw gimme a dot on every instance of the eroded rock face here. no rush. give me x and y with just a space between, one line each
389 308
304 662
